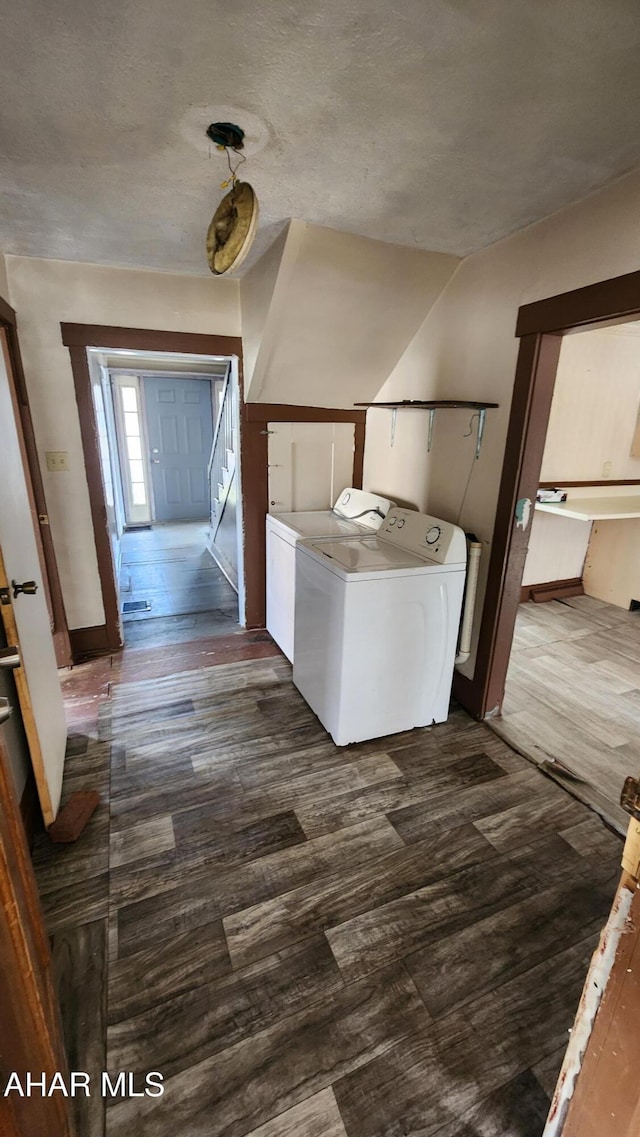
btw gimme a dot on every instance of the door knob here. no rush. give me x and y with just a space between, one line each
9 658
29 587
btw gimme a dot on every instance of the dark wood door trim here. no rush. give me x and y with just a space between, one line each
79 337
255 484
608 300
290 412
59 628
540 327
31 1038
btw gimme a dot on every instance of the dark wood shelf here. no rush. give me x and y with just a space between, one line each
431 404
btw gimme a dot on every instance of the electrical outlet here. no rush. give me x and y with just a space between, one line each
57 460
606 469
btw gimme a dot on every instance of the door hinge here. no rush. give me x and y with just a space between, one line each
43 518
5 596
630 797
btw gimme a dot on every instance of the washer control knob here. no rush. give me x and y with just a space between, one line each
433 535
392 521
345 498
401 523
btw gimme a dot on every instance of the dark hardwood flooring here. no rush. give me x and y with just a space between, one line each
387 939
190 598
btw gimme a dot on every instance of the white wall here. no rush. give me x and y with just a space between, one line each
4 283
340 313
557 548
467 348
595 408
46 293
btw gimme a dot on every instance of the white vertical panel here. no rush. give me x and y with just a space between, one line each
309 463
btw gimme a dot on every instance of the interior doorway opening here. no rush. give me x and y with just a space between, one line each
541 327
570 699
168 434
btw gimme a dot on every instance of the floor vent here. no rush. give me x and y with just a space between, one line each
135 606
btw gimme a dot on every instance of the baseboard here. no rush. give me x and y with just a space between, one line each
88 642
30 810
552 590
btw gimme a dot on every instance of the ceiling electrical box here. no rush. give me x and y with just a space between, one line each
57 460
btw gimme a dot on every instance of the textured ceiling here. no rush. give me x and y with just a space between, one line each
440 124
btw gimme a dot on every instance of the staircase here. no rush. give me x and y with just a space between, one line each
223 482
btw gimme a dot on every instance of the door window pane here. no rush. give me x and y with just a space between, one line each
129 399
131 424
136 471
134 448
138 495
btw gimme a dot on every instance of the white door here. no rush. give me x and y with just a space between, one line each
309 463
37 678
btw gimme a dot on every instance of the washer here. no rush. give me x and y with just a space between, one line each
376 625
355 512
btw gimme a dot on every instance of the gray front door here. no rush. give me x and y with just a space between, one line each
180 429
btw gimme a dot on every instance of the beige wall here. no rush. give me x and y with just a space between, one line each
257 288
338 317
595 408
46 293
4 283
466 348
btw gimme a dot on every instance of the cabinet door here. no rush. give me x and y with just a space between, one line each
309 463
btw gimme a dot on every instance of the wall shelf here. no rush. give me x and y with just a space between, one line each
433 405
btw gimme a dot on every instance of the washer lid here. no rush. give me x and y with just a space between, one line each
367 554
315 523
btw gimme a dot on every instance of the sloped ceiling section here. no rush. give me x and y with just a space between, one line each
327 315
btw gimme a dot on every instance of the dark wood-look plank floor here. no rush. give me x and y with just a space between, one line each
572 696
307 941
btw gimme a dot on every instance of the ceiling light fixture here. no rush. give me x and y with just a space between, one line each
235 221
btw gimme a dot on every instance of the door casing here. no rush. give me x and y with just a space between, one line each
540 327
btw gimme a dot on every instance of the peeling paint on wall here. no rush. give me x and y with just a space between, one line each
593 991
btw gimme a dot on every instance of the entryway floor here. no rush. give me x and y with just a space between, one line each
386 938
573 695
170 567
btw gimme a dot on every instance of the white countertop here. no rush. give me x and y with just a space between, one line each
594 508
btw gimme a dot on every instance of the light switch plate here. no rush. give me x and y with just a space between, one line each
57 460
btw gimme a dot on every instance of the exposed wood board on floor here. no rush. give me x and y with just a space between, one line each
280 912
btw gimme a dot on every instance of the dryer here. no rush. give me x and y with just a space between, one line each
376 625
355 512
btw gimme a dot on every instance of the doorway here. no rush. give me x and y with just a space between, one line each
570 699
541 327
159 418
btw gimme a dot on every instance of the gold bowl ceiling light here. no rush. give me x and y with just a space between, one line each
234 223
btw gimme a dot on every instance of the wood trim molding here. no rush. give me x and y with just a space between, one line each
59 630
78 337
561 484
552 590
90 447
255 484
607 300
290 412
87 642
540 327
146 339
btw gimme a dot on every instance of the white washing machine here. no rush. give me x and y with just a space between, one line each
355 512
376 625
